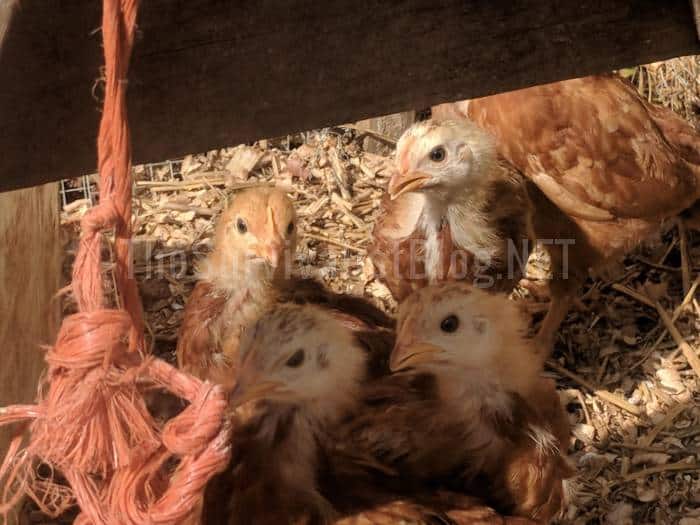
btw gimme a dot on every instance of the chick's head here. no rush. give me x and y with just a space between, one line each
259 228
439 158
300 355
463 333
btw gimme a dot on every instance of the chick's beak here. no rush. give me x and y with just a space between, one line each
407 182
273 253
412 354
244 392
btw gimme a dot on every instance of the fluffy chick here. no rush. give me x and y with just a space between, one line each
454 211
607 168
254 246
494 413
306 370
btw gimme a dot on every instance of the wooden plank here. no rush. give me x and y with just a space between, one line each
30 274
211 73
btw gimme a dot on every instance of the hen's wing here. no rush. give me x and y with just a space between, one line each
194 344
593 146
398 250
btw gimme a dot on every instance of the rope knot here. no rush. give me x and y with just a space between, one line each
102 217
192 430
93 421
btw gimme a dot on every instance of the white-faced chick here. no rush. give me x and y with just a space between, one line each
473 212
254 247
304 370
475 342
487 375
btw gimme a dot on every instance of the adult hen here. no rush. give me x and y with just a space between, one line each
454 211
607 166
307 371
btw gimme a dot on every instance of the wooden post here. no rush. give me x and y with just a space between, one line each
389 126
30 271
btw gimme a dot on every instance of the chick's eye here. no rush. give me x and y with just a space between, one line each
290 228
241 226
296 360
449 324
438 154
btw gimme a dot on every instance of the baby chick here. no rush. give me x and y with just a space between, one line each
495 415
306 371
254 246
454 211
607 169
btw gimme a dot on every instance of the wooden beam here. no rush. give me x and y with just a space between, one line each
212 73
30 275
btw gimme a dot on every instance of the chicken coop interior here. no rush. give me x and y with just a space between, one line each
274 161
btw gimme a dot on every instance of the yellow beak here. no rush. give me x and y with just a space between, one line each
406 182
243 394
410 355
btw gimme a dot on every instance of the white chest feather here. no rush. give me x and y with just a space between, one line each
470 231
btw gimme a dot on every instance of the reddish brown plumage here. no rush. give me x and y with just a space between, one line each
497 214
607 166
254 245
204 307
485 413
345 440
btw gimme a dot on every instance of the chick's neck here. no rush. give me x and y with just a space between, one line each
471 229
232 273
470 394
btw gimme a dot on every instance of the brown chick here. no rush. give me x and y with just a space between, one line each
254 246
454 211
306 370
492 420
607 166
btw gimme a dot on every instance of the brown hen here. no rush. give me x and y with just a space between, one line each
607 166
454 211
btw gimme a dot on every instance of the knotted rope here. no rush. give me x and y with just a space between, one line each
91 423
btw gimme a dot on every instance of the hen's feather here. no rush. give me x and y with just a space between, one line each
599 142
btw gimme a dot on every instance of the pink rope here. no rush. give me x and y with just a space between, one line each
91 422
